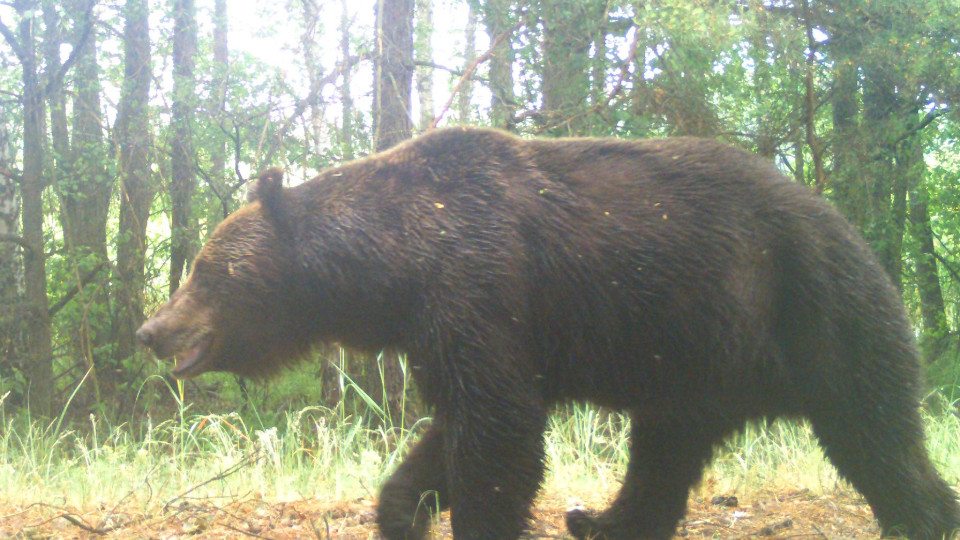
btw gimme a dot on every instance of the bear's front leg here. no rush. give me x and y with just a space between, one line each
495 463
416 491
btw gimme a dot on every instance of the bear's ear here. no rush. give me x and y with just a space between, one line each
268 190
268 187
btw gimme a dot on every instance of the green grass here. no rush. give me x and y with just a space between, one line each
331 456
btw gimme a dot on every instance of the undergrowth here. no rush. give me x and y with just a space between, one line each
329 455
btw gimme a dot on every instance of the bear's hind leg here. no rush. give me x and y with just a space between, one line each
879 448
416 491
666 460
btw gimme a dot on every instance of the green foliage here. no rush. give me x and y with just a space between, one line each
636 68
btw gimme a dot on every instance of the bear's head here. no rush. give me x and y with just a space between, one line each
239 309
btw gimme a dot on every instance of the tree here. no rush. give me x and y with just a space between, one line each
933 312
497 20
346 100
10 241
11 268
37 365
847 145
391 125
311 10
569 28
424 54
137 189
85 191
183 182
877 101
87 198
216 104
393 73
856 99
465 96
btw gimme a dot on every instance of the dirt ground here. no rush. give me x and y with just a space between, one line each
767 515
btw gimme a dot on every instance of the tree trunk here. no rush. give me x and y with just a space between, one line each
599 62
497 20
216 107
183 234
85 193
391 125
308 42
886 209
346 100
932 307
38 356
56 98
894 234
393 73
565 70
639 91
798 171
810 104
87 197
136 186
847 176
11 267
424 53
469 55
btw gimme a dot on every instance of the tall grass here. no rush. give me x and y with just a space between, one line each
313 453
328 455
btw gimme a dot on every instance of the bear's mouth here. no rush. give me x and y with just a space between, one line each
193 361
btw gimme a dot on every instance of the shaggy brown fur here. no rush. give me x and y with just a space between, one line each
682 280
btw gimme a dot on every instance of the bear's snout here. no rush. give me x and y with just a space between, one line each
146 333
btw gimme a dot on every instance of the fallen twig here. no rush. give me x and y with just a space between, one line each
77 521
247 533
249 460
316 532
97 530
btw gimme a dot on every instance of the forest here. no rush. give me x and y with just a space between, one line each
130 128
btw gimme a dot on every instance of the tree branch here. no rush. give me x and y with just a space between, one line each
19 240
236 154
12 40
12 175
329 78
469 71
625 67
224 198
600 106
56 79
927 120
76 289
423 63
947 266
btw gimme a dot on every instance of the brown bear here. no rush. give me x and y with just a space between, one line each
681 280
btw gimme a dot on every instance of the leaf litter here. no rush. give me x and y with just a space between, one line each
762 514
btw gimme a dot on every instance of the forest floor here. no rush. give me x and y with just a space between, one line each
766 514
